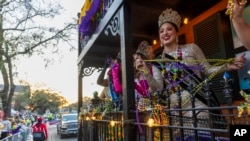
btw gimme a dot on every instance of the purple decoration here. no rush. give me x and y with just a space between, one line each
138 121
180 67
86 26
176 83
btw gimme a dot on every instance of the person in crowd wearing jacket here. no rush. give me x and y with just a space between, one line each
40 131
5 131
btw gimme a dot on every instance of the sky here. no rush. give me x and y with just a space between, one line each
62 75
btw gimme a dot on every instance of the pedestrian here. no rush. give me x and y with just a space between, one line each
39 130
5 131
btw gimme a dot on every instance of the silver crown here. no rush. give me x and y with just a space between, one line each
170 15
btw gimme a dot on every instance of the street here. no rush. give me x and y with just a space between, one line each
54 137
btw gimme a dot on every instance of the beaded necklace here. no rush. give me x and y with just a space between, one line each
173 73
174 76
167 60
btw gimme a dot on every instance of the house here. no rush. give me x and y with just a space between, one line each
19 90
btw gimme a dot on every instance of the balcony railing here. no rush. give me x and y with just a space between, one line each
169 123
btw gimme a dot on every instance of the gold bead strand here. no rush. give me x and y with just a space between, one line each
230 9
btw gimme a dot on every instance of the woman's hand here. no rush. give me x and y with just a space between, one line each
238 6
238 62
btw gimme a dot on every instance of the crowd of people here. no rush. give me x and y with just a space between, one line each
15 125
23 124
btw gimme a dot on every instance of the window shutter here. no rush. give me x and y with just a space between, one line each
214 37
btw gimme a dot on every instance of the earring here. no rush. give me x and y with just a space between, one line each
177 40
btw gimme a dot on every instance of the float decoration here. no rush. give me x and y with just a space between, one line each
244 106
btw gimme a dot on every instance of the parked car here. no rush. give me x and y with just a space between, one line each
67 125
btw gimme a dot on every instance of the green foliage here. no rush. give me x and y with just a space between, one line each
73 106
95 94
43 100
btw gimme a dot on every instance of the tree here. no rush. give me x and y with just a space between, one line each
25 31
40 99
43 100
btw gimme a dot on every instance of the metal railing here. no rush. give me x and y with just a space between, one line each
20 136
172 124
